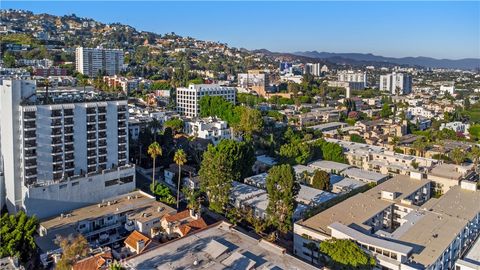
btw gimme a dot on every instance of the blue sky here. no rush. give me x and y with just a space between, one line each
434 29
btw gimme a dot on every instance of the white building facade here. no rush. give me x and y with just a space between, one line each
61 156
396 83
352 77
208 128
90 61
188 99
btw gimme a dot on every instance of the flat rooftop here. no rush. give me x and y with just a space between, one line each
135 202
329 165
217 247
363 175
354 210
401 184
449 171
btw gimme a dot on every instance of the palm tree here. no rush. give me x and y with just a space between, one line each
457 155
154 150
155 125
419 145
180 158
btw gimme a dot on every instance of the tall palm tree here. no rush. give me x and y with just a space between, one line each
154 150
155 125
180 158
457 155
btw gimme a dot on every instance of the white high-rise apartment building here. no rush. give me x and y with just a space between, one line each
188 99
90 61
62 154
396 83
313 68
352 76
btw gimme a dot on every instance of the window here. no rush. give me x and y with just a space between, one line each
111 182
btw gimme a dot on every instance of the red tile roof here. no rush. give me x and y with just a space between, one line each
134 237
96 262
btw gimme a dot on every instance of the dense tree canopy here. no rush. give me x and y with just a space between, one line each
282 189
345 254
216 179
321 180
74 248
175 124
17 232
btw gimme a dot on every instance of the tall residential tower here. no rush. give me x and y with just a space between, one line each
62 151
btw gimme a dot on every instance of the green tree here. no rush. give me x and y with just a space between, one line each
386 111
154 150
216 178
74 248
193 198
345 254
282 189
420 145
180 158
17 236
8 59
357 138
296 153
163 193
328 151
475 155
116 266
250 121
321 180
457 155
240 157
175 124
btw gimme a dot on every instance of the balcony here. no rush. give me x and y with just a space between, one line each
122 148
69 165
56 132
91 137
68 139
58 176
121 117
30 164
102 143
28 116
91 153
102 118
122 133
69 148
122 108
102 167
29 134
122 124
102 126
122 156
70 156
30 154
102 160
30 172
68 130
91 145
91 119
102 151
57 149
56 122
56 140
30 145
91 111
122 140
102 134
102 110
57 160
91 169
68 112
68 121
29 125
56 114
57 168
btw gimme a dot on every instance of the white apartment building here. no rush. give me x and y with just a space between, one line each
352 77
396 83
313 68
90 61
208 128
456 126
421 111
188 99
399 224
381 160
62 154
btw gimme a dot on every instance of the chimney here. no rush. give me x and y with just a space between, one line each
140 246
193 214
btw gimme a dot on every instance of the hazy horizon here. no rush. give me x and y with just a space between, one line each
442 30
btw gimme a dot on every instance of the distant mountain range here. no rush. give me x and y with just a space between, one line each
358 58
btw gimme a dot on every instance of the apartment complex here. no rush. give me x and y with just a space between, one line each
255 80
62 151
91 61
208 128
400 224
188 99
396 83
381 160
314 69
359 79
